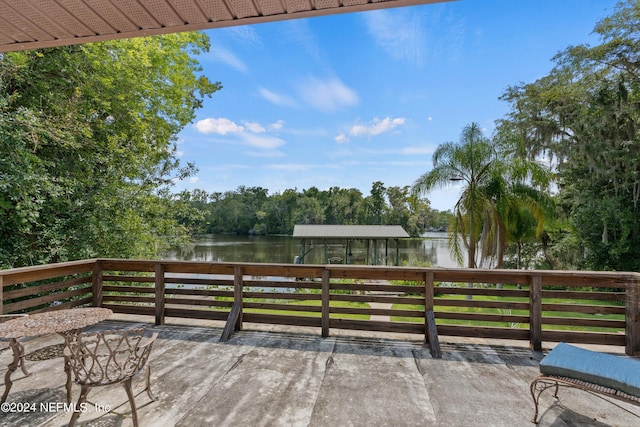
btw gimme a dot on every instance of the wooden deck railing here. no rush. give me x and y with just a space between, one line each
532 305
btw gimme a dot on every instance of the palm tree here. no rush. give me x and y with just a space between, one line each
496 184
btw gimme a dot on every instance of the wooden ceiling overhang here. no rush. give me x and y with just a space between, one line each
34 24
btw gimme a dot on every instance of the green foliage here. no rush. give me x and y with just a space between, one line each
87 147
584 116
253 211
503 195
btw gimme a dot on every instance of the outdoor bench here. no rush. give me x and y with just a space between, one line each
603 375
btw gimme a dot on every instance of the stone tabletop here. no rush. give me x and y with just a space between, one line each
53 322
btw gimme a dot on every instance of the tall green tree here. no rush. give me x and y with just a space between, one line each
87 147
376 203
495 183
584 115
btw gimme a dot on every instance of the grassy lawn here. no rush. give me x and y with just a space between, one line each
498 311
314 303
449 309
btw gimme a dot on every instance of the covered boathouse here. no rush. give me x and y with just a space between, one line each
371 235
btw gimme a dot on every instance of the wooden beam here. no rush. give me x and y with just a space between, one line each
325 303
96 283
234 320
535 314
231 322
430 328
632 319
238 287
159 288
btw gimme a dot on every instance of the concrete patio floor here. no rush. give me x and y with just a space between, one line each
284 376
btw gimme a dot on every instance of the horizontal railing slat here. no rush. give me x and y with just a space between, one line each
581 308
196 314
46 299
583 337
43 272
199 302
46 287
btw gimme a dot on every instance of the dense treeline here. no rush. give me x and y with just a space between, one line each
252 210
87 147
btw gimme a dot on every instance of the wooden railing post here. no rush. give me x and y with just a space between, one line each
234 319
159 288
632 318
238 286
430 328
325 302
1 295
96 284
535 313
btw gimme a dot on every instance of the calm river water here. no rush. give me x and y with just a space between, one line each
431 250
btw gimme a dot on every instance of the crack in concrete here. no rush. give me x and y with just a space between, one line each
327 366
214 383
235 364
416 359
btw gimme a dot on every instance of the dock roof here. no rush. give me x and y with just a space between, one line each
306 231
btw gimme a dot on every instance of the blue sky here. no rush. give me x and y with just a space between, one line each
350 99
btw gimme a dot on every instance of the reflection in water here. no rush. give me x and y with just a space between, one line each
432 250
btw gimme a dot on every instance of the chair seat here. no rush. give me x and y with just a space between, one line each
607 370
110 357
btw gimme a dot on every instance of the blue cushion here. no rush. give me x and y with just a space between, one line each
620 373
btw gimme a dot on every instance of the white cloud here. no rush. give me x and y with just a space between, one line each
277 99
341 139
400 33
250 134
327 95
277 125
219 126
223 126
264 142
299 31
227 57
246 34
376 127
194 179
254 127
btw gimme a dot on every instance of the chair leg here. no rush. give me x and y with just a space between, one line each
84 391
134 414
67 371
148 378
18 362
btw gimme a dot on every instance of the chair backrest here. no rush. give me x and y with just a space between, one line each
100 358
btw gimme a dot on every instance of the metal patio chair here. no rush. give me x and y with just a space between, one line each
109 357
18 351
